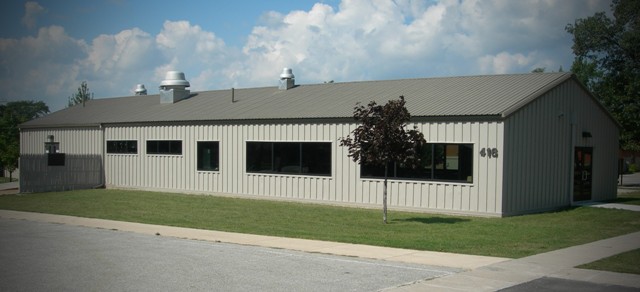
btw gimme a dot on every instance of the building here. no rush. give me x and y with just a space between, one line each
498 145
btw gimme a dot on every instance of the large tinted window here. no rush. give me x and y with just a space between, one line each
122 146
173 147
208 155
313 158
447 162
259 157
316 158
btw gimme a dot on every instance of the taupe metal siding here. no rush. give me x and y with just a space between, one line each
178 172
538 170
483 196
589 117
83 162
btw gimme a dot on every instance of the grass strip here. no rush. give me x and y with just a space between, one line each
632 198
511 237
622 263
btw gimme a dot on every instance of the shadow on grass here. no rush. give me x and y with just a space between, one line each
432 220
628 201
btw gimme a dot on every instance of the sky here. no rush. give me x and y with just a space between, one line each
49 47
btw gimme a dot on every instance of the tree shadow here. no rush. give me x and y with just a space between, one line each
623 200
433 220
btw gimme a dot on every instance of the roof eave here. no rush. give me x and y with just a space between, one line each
533 96
50 126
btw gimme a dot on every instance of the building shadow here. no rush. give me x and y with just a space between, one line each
433 220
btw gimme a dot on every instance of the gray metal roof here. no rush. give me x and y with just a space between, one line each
489 95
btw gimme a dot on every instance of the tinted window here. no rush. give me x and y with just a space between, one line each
122 146
164 147
208 155
447 162
312 158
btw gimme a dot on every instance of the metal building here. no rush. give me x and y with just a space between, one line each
498 145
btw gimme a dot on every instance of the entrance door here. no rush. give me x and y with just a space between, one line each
582 173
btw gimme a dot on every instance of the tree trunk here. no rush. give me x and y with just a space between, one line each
384 195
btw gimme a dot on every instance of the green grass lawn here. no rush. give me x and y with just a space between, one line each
632 198
622 263
504 237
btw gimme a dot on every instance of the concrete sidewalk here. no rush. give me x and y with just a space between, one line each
556 264
613 206
466 262
9 188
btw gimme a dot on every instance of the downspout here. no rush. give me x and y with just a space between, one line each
572 146
103 158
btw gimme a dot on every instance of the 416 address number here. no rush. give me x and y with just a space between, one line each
489 152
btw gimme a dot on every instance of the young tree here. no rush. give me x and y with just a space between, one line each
11 115
608 62
81 96
9 157
382 139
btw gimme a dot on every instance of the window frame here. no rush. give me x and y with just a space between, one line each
273 165
199 157
127 147
465 173
160 147
51 147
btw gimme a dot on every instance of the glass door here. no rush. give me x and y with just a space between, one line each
582 170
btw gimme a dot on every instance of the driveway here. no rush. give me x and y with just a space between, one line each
38 256
630 180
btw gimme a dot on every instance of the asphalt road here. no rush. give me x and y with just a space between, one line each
37 256
550 284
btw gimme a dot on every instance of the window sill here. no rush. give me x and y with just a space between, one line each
300 175
422 181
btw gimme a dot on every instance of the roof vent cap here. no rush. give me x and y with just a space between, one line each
140 90
287 73
174 78
174 87
287 80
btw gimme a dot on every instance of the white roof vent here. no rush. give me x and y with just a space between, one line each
287 80
174 78
174 87
140 90
287 73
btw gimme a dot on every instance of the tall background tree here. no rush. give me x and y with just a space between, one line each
11 115
608 62
81 96
382 139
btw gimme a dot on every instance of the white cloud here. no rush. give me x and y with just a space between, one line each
196 52
40 67
504 62
386 39
32 11
358 40
128 50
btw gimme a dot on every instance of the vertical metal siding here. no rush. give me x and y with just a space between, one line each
605 142
178 172
83 162
539 153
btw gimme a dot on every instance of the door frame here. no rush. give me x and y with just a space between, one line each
582 179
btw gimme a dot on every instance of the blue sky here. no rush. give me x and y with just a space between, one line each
47 47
